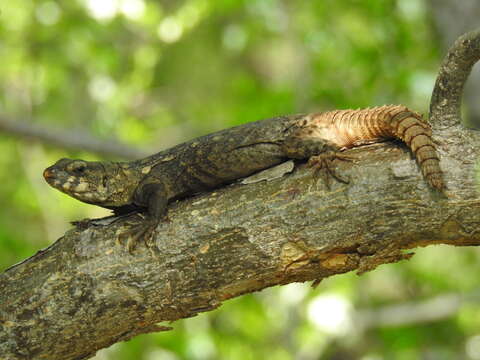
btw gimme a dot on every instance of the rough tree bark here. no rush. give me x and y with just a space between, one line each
85 292
446 14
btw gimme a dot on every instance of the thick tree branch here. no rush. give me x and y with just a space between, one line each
445 15
68 139
445 105
85 292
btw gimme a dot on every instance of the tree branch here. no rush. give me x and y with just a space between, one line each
413 313
85 292
69 140
445 104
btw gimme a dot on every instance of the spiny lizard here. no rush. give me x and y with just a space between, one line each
222 157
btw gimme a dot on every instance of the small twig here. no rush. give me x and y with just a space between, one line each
69 139
420 312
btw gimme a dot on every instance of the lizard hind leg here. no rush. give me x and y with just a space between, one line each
324 164
305 143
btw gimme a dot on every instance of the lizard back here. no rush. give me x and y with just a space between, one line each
221 157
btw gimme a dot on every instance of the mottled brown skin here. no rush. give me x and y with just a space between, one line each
222 157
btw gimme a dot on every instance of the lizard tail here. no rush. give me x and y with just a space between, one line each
417 134
348 128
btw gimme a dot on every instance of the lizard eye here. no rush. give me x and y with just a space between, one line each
77 167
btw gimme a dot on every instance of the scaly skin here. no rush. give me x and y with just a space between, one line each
222 157
349 128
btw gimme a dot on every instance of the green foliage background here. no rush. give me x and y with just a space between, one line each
155 73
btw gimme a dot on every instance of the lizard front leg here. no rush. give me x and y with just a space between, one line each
155 197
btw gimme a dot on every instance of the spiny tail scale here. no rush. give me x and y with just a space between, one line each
349 128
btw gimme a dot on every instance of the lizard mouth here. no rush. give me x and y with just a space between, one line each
48 174
51 178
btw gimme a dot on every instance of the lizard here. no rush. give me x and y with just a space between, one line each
222 157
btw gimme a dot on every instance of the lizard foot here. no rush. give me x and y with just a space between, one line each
143 231
324 163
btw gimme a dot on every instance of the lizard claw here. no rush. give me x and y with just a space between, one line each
324 163
143 231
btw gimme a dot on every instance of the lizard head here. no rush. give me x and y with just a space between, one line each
101 183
